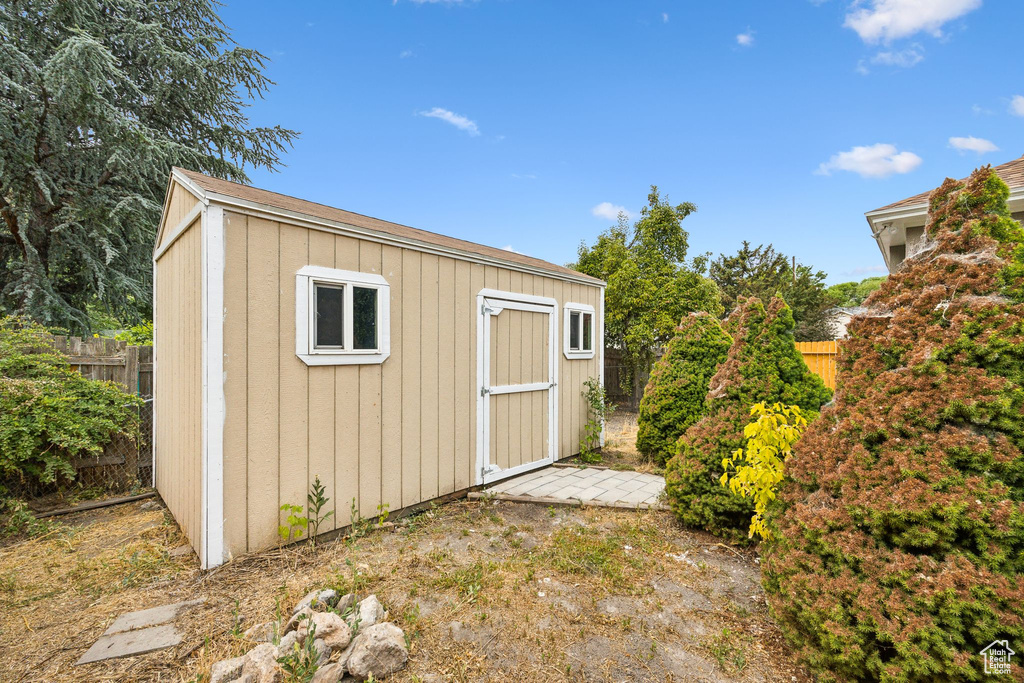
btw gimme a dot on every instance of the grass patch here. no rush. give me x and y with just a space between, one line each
615 557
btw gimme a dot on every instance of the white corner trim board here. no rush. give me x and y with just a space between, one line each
579 353
305 279
212 494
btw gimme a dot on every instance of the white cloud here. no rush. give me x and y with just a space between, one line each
874 161
862 68
973 144
902 58
1017 105
406 53
457 120
664 17
745 39
866 270
887 20
508 247
609 211
980 110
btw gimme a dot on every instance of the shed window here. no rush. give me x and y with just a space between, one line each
341 317
579 332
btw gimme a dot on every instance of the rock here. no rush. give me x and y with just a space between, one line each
262 633
370 612
345 603
226 670
323 652
378 651
261 664
329 673
329 627
287 643
151 505
293 623
317 598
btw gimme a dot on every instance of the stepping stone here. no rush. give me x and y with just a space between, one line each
135 633
128 643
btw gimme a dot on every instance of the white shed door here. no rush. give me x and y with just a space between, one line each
517 385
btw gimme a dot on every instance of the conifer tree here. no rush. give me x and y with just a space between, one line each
898 549
675 395
97 101
763 364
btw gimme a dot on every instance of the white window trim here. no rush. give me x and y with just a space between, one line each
304 280
568 309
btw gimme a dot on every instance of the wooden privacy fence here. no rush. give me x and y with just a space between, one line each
125 461
820 357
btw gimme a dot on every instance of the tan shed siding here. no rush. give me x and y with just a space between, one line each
180 201
178 354
393 435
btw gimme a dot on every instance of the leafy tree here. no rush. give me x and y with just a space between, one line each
675 395
898 549
97 101
762 272
848 294
650 284
763 365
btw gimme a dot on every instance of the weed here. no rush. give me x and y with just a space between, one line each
295 523
9 582
316 501
236 621
467 580
727 649
302 661
598 410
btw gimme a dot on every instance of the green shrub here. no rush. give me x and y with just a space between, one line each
50 413
898 541
137 335
675 395
762 365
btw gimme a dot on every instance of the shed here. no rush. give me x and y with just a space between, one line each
294 340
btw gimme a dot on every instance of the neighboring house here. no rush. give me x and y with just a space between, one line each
899 227
843 317
295 340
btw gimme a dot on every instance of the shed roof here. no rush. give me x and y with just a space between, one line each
1012 173
247 193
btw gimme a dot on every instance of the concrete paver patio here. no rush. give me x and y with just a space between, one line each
586 486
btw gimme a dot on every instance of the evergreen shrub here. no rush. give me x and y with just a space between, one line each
675 394
763 365
898 549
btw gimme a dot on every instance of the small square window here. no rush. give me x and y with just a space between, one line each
341 317
580 334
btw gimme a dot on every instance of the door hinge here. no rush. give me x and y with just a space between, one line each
484 391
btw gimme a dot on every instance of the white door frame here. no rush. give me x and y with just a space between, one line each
490 302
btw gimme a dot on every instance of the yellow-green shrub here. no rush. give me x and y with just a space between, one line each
758 470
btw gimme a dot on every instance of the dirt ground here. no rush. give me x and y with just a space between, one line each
619 450
484 590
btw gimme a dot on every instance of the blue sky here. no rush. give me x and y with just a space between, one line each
522 124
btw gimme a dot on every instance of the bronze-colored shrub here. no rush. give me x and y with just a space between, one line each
762 365
899 540
675 395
